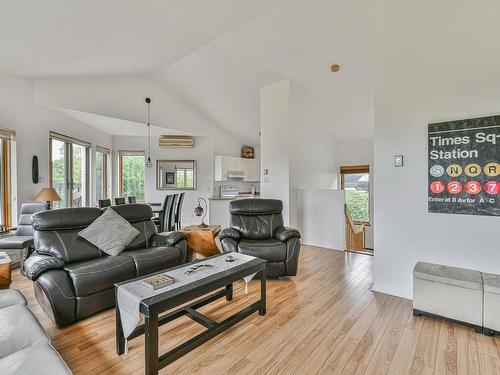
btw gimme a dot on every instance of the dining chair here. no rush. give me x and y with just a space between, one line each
166 213
132 199
119 201
104 203
172 214
178 212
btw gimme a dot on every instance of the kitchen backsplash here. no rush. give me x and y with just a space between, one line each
245 187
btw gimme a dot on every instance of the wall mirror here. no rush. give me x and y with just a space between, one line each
176 175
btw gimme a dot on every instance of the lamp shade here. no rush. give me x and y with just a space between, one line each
48 195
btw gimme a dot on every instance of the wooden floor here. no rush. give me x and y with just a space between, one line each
326 321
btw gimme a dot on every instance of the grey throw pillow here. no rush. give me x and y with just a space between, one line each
110 232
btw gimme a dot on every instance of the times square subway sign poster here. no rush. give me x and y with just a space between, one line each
464 166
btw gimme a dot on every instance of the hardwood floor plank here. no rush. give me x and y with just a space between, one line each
467 353
326 319
405 352
425 353
446 356
382 359
364 351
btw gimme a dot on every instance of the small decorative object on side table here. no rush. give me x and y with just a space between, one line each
202 240
5 271
199 211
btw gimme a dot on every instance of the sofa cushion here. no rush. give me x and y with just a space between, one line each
271 250
491 283
11 297
95 275
154 259
19 329
459 277
34 360
110 232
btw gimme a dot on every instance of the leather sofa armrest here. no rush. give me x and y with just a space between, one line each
285 233
167 239
35 265
229 233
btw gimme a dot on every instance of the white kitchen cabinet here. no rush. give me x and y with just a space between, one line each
248 169
252 170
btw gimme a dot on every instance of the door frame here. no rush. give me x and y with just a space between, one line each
68 166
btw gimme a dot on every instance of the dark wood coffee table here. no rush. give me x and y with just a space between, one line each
152 307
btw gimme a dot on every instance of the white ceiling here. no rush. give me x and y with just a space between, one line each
215 55
115 126
87 37
300 40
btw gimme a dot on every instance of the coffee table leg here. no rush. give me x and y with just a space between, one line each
121 342
151 344
263 280
229 292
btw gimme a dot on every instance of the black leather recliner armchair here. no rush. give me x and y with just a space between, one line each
73 279
257 229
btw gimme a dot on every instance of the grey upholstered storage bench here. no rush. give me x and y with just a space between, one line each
491 306
448 292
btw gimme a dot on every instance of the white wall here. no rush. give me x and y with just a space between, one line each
434 61
359 152
204 151
321 218
32 124
275 146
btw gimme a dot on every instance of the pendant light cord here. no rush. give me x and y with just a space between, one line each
149 132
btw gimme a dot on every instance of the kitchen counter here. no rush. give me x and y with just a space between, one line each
241 196
218 213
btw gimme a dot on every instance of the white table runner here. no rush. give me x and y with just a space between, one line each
130 295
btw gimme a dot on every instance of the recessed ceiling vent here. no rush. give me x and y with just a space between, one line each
176 141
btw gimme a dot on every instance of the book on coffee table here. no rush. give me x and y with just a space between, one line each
158 281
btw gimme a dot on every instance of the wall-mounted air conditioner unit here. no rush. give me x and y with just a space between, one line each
176 141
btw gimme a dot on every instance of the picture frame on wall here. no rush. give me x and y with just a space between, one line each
170 178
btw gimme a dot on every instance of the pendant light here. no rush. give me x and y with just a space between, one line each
149 163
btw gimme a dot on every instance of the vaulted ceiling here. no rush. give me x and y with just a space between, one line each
214 55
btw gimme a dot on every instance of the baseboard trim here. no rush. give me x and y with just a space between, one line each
392 292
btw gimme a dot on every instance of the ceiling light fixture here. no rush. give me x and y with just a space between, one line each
149 163
335 68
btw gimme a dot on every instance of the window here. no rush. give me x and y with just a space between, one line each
355 180
101 172
6 142
184 178
69 170
131 166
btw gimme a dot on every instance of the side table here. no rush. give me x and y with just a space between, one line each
202 240
5 270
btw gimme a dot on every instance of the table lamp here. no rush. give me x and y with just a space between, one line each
48 195
198 211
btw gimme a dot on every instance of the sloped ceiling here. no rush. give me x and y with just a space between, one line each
95 37
300 40
213 55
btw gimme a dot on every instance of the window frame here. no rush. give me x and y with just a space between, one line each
121 154
357 169
106 153
7 137
68 144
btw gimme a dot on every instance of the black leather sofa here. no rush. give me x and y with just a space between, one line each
257 229
73 279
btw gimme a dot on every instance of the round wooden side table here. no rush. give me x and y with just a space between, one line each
5 270
202 241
